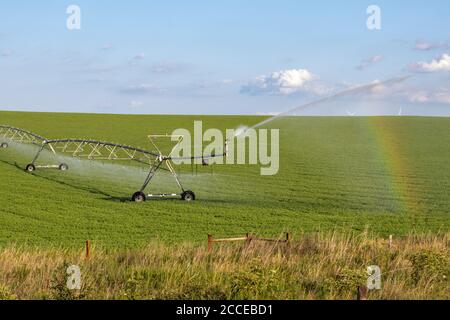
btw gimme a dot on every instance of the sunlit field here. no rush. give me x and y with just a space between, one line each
386 175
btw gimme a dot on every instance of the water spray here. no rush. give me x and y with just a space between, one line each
345 93
104 151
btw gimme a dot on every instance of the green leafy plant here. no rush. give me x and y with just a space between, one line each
6 293
59 289
431 265
254 282
347 280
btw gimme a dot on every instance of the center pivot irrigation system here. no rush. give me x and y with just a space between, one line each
8 133
107 151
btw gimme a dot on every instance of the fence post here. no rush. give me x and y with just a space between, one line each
248 239
88 249
362 293
391 238
210 242
288 237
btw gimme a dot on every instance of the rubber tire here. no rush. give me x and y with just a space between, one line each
4 145
30 168
63 167
188 196
139 197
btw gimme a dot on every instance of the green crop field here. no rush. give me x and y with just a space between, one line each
386 175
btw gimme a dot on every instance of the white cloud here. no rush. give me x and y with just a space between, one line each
143 89
381 90
136 104
419 96
427 46
370 61
167 67
440 95
107 46
440 64
6 53
419 93
286 82
139 56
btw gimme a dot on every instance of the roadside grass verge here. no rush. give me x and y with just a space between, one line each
316 266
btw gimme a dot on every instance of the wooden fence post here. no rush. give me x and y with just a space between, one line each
391 238
288 237
88 249
362 293
210 242
248 239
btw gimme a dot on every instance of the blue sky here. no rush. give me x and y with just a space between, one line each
232 57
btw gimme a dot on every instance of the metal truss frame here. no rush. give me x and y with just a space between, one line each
158 165
12 134
107 151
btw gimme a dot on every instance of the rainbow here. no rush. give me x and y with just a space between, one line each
398 166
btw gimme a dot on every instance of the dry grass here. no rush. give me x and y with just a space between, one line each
322 266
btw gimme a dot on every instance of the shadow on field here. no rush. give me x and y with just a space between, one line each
15 164
92 190
107 196
87 189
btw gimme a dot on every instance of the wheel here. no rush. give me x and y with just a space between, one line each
188 196
30 168
63 167
4 145
139 197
